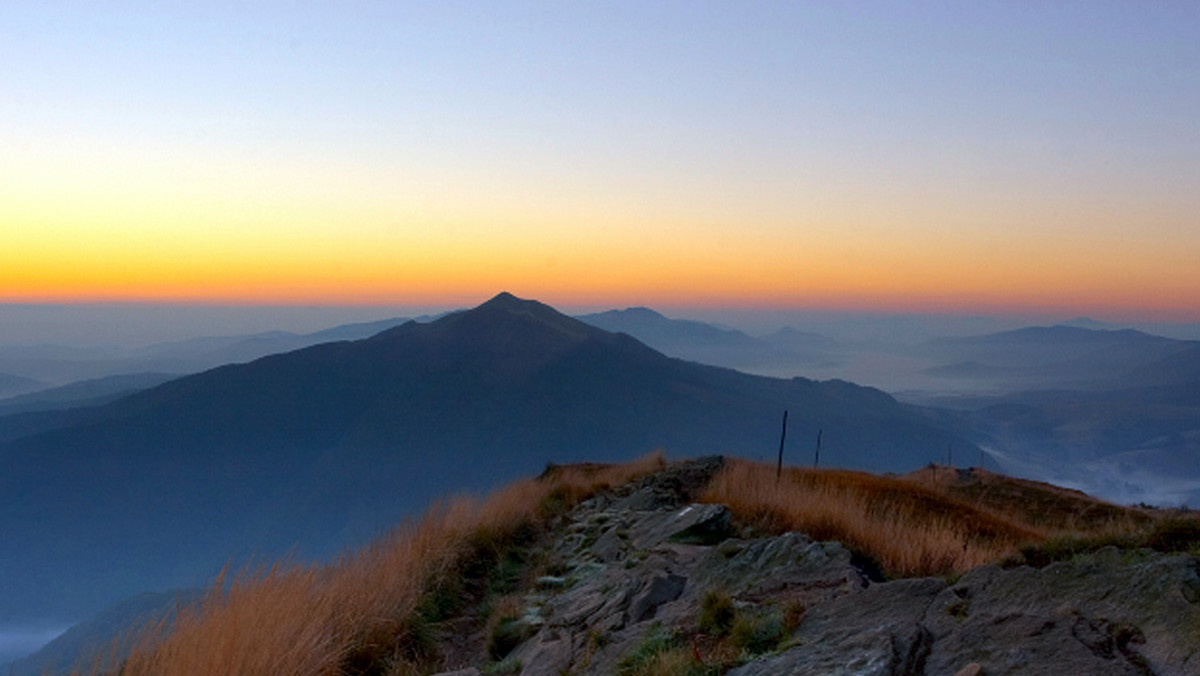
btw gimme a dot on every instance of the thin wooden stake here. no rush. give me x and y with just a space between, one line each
782 436
817 453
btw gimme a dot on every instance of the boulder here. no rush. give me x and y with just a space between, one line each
877 632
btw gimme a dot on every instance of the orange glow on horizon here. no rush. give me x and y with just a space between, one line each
467 293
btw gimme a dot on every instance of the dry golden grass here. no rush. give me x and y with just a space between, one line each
908 528
360 613
1053 508
938 520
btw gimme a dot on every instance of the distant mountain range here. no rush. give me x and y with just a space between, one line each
325 446
1115 412
787 352
1056 357
662 333
91 392
45 366
122 484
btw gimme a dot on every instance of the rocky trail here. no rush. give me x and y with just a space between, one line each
640 578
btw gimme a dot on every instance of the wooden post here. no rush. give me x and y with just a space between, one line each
817 453
782 436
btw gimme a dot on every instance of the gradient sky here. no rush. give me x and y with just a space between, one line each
931 156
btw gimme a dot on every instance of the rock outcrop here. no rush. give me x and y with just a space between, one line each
633 568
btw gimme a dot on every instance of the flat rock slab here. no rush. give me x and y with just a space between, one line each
875 633
1119 612
697 519
790 566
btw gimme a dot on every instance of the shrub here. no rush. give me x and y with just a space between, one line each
793 615
658 641
661 653
757 635
716 613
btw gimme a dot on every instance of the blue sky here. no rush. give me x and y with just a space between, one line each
926 156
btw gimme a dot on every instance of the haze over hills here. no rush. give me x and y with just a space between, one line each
1106 409
1054 357
93 392
13 385
49 365
785 353
321 447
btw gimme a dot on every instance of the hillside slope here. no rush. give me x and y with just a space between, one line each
323 447
697 567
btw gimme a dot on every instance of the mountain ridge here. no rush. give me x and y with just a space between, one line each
308 448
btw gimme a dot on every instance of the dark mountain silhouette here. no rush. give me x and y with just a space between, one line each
322 447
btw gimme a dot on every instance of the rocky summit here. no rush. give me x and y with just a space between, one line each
643 580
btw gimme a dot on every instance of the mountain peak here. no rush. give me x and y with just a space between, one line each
508 303
505 299
642 312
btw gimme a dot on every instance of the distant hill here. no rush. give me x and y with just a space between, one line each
324 446
1178 367
665 334
787 352
61 365
88 643
11 385
93 392
1056 357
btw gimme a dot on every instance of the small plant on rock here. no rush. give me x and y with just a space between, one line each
757 635
716 613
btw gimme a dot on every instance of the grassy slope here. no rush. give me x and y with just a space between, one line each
378 610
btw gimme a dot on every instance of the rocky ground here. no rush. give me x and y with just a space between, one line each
642 578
